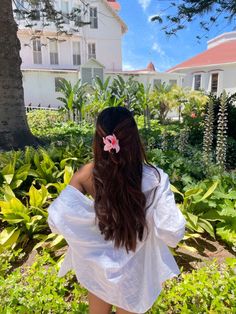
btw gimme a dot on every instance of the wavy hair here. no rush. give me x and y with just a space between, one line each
119 200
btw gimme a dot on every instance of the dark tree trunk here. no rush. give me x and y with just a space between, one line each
14 130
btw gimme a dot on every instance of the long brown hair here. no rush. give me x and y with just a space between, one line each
119 200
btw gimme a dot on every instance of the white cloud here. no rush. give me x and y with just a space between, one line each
128 67
156 47
144 3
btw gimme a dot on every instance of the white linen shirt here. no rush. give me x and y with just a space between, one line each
133 280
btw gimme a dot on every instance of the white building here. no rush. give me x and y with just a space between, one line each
150 76
213 70
80 53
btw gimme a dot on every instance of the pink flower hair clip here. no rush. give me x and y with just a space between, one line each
111 142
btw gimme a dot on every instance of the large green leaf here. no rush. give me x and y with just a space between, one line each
192 192
22 172
68 174
37 197
8 193
8 172
203 223
64 161
9 236
175 190
209 191
44 239
70 100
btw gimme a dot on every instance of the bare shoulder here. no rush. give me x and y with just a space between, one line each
81 177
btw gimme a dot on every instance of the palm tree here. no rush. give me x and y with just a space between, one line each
80 99
145 103
14 130
163 100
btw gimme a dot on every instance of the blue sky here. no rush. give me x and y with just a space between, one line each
145 42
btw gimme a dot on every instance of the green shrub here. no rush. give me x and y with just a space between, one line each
44 119
37 290
210 289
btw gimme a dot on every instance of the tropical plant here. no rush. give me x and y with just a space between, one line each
74 98
144 103
210 206
26 218
125 90
100 98
164 100
209 289
40 290
195 103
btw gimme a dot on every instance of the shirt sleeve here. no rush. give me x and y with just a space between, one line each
168 219
53 214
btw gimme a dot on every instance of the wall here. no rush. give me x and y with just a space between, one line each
148 78
227 77
107 37
39 87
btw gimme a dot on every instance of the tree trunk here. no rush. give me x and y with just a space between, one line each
14 130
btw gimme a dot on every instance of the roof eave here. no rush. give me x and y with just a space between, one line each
199 66
122 23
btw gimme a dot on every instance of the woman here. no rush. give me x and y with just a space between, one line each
118 242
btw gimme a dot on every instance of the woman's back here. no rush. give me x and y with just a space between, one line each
134 279
118 241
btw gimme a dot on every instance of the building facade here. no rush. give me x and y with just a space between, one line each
213 70
76 51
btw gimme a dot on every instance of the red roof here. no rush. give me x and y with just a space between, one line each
150 68
222 53
115 5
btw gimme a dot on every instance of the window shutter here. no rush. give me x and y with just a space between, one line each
98 72
86 75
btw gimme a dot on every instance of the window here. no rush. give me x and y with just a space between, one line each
65 10
53 52
37 52
76 53
214 82
77 14
91 50
197 82
35 12
156 82
172 82
89 74
93 18
58 83
19 9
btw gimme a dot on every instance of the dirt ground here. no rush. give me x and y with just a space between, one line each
206 249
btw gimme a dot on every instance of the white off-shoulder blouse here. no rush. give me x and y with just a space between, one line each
133 280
